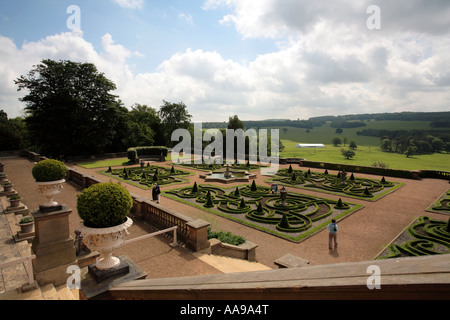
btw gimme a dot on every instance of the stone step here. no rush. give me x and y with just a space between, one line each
230 265
46 292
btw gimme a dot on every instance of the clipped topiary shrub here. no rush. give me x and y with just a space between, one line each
49 170
104 205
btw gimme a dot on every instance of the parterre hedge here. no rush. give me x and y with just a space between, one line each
147 176
255 205
353 186
424 236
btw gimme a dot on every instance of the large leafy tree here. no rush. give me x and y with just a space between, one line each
12 132
144 127
70 109
173 116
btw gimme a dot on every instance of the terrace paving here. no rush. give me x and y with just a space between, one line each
362 235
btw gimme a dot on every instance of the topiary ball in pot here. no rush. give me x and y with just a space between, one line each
49 170
104 205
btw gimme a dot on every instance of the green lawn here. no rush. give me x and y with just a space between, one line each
368 150
105 163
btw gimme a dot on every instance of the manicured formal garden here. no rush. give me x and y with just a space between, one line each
296 218
351 186
442 205
145 177
424 236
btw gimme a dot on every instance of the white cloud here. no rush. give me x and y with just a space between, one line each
130 4
327 62
187 18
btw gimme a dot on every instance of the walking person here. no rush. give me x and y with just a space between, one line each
332 236
156 192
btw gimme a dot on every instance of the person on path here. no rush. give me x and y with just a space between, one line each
332 236
156 192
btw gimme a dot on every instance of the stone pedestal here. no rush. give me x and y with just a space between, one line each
53 246
93 288
198 235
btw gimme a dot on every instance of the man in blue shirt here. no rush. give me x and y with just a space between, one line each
333 229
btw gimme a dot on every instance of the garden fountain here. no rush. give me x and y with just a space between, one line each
228 176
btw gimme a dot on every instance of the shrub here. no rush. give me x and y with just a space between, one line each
209 201
49 170
134 153
26 220
104 205
226 237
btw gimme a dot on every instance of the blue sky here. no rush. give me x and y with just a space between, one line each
257 59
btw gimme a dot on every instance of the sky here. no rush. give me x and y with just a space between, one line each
258 59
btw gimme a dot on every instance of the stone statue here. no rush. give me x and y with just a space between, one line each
80 247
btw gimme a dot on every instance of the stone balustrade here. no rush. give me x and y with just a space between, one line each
190 231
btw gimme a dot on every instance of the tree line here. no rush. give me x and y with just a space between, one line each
70 110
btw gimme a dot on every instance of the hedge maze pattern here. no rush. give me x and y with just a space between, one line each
147 176
351 186
442 205
424 237
257 206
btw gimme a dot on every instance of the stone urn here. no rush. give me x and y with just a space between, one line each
104 207
49 190
49 175
104 241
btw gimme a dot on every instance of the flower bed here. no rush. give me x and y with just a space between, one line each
297 218
361 188
424 236
146 177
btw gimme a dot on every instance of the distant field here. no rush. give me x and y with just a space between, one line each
367 153
368 147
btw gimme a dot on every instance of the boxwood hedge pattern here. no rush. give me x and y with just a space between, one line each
254 205
147 176
442 205
356 187
424 236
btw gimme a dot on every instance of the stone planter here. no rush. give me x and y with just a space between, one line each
49 190
26 227
7 187
104 240
14 203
